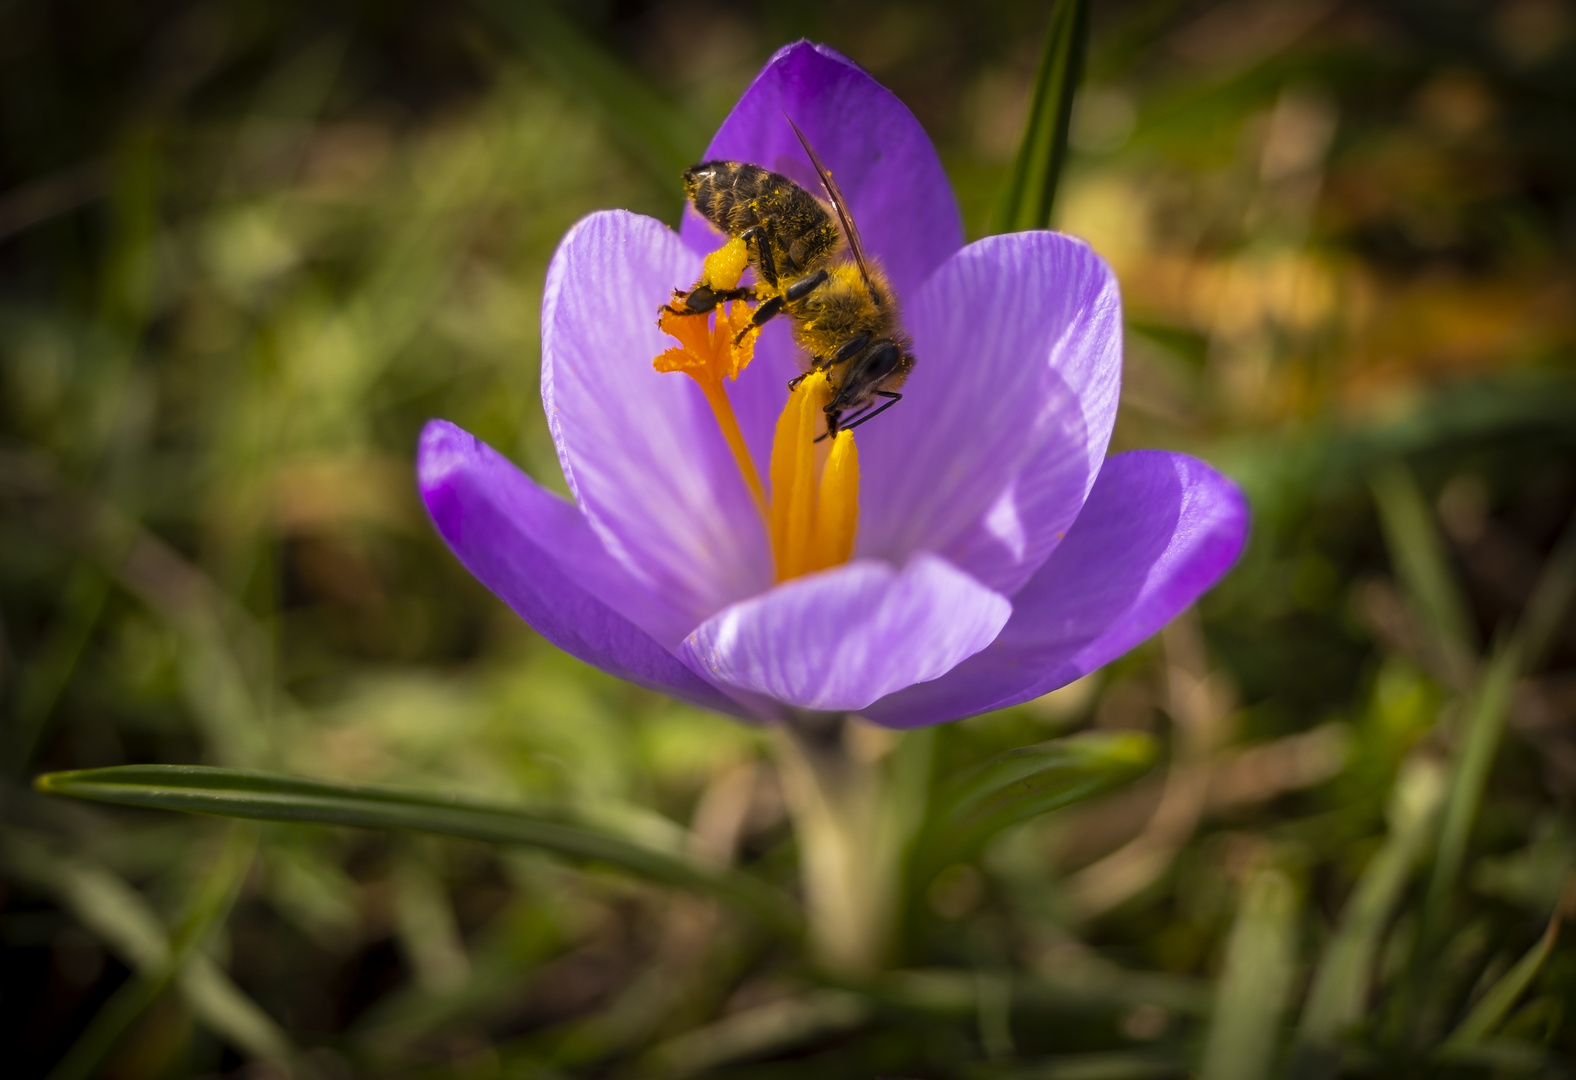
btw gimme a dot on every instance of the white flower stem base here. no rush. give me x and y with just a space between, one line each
853 825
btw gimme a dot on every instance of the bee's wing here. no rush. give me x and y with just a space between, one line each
850 230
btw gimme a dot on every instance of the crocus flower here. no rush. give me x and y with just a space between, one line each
996 552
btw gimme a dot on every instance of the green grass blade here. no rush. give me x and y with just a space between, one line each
663 138
1420 560
1485 721
1485 714
1551 598
1025 783
89 1053
1486 710
1032 771
1503 1058
1261 963
1120 1065
46 676
1491 1009
1338 996
118 916
209 905
761 1030
1031 190
271 797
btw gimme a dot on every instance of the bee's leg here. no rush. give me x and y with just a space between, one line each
702 299
805 285
850 349
892 399
834 421
834 424
698 301
763 313
765 264
773 307
793 383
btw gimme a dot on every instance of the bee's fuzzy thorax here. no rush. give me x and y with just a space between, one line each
844 308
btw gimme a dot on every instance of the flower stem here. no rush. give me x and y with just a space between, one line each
853 817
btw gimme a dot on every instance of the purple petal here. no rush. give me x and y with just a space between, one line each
640 449
1004 423
538 555
1158 529
840 639
882 159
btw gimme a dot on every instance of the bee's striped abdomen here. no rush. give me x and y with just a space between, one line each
737 197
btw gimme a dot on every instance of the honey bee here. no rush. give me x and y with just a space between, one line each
844 314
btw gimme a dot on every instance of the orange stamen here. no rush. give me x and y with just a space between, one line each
707 353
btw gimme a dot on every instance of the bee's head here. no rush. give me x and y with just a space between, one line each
883 366
875 374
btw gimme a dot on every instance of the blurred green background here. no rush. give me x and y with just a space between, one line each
248 249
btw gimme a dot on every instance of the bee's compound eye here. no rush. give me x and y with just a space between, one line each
882 360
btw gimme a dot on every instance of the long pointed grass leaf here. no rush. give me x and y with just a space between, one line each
1121 1065
1337 998
767 1028
1076 984
117 915
209 905
1494 1005
1551 599
1419 557
1486 711
1503 1057
271 797
1014 773
1030 194
1485 721
1260 965
1025 783
84 601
